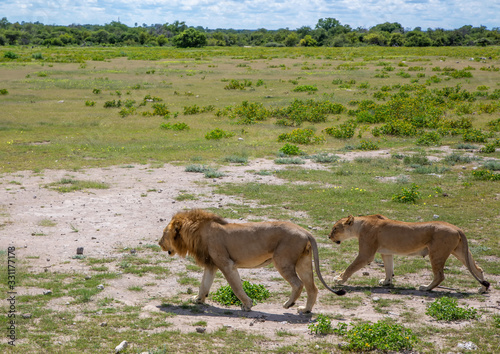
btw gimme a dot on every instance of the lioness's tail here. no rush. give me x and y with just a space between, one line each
314 246
469 260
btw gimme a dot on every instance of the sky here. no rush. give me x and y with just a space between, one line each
255 14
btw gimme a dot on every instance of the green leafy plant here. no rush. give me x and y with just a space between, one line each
429 138
225 295
342 131
383 336
322 325
305 88
301 136
175 126
407 195
447 309
485 175
218 134
367 145
4 92
290 150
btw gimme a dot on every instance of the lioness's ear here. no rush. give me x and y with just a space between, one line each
350 220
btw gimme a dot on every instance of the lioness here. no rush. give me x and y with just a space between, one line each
216 244
376 233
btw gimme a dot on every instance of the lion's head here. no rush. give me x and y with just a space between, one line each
338 232
183 234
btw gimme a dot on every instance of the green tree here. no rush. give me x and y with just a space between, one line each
190 38
291 40
396 40
308 41
417 39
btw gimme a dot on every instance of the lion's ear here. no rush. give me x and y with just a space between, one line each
177 229
350 220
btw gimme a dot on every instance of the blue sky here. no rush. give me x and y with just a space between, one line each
254 14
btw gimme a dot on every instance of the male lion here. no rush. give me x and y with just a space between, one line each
216 244
376 233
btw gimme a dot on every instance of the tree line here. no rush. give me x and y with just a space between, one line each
327 32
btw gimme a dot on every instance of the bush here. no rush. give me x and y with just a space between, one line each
176 127
10 55
218 134
485 175
343 131
4 92
301 136
407 195
429 138
290 149
447 309
367 145
225 295
305 88
322 325
381 336
474 136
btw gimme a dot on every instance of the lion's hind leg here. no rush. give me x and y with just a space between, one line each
437 263
459 253
305 273
288 272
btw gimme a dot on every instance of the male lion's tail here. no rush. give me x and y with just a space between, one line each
468 258
314 246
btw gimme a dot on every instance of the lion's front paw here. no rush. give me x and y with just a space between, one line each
338 280
303 309
198 300
385 282
424 288
246 308
288 304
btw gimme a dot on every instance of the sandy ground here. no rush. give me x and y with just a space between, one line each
133 212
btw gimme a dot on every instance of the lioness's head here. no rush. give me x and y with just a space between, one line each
340 231
170 234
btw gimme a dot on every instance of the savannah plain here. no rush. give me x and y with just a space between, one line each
99 147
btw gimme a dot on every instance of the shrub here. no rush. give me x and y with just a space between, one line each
290 149
10 55
248 112
289 161
4 92
488 148
113 104
447 309
324 158
305 88
474 136
494 125
429 138
301 136
342 131
367 145
176 126
322 325
407 195
218 134
485 175
381 336
236 85
225 295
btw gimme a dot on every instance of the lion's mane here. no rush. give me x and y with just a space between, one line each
188 238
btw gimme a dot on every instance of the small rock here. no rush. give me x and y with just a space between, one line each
100 287
121 346
227 326
435 216
79 250
104 324
366 274
133 251
26 315
467 346
284 322
88 277
375 299
200 329
47 292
